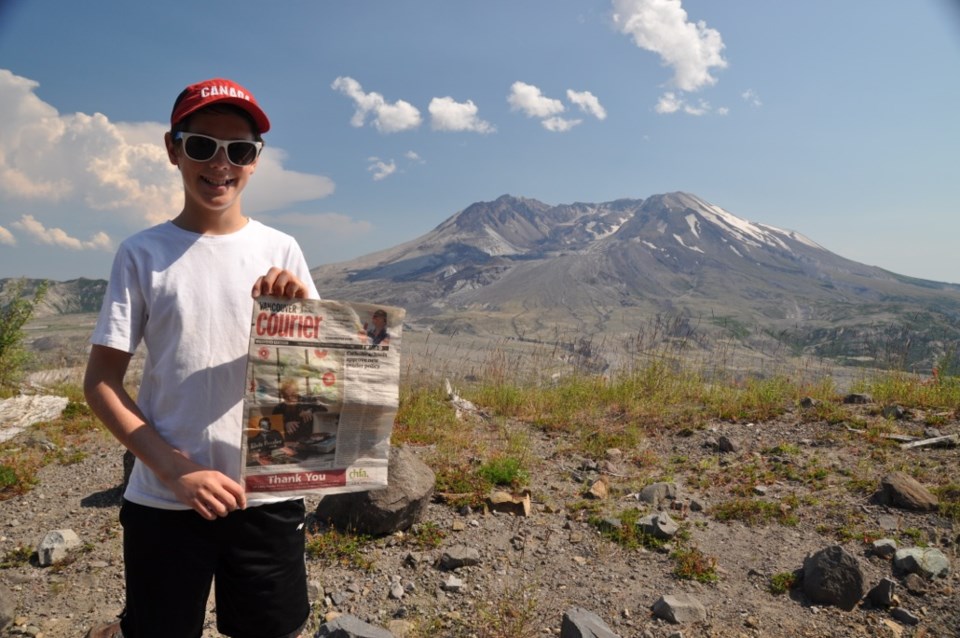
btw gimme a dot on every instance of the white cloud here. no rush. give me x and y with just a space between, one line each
381 169
528 99
588 103
387 118
559 124
414 157
751 97
48 157
327 223
276 187
121 168
670 102
661 26
59 237
449 115
6 237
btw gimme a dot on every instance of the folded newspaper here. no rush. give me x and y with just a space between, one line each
322 393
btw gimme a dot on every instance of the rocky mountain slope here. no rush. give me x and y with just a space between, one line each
529 270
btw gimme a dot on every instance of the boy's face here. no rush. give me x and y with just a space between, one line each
213 187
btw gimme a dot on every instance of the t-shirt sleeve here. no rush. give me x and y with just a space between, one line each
120 324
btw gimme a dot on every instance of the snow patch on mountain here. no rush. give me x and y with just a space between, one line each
749 233
681 242
794 235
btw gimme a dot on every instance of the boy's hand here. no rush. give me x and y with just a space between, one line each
280 283
208 492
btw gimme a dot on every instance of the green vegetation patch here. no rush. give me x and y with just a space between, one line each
754 512
782 582
335 547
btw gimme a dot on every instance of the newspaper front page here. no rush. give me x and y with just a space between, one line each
322 394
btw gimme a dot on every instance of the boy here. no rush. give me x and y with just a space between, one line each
185 288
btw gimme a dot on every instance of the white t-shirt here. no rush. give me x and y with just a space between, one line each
187 297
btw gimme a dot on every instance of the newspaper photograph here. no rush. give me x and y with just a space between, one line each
322 393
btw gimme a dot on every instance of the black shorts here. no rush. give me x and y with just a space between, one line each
256 556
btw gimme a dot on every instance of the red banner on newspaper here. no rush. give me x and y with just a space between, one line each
285 482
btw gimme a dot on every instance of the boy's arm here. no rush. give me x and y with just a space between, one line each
207 491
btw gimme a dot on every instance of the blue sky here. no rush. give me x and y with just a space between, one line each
835 119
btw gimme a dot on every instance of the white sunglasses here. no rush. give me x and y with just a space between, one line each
202 148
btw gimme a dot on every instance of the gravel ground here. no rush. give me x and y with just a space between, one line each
534 568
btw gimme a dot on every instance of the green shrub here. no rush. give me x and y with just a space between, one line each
13 356
782 582
504 470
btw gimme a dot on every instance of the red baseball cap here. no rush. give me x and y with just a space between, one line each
218 90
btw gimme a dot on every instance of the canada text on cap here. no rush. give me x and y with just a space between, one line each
217 91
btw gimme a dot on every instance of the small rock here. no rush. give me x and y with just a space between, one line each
894 412
679 608
657 493
452 583
727 445
885 547
600 489
55 546
457 556
904 616
915 584
901 490
659 526
883 593
517 504
347 625
580 623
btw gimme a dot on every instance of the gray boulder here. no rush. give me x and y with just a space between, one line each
393 508
580 623
833 577
928 562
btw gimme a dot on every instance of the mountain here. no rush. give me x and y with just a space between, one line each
62 297
636 272
520 268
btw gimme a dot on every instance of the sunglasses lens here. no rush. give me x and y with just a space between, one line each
242 153
199 148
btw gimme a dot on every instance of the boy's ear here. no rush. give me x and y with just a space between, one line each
171 149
